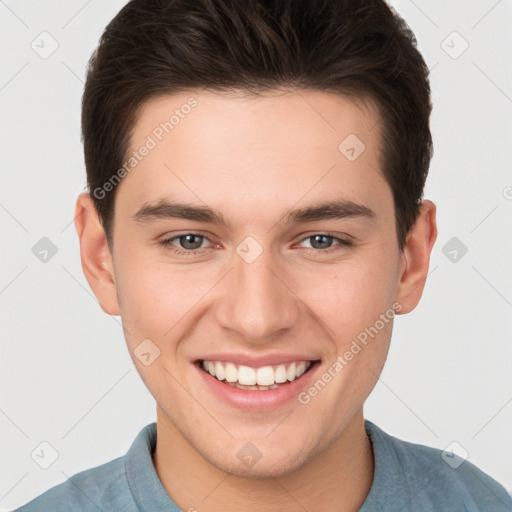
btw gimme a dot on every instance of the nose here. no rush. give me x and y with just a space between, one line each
258 301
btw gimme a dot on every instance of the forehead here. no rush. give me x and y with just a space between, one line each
254 151
316 117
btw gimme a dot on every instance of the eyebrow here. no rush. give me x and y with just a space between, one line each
164 209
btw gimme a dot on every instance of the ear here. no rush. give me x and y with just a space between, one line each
416 257
95 254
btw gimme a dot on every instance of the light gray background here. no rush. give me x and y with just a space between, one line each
65 373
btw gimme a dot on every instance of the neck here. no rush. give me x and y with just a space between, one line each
337 479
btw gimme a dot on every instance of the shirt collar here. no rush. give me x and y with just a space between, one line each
389 484
147 489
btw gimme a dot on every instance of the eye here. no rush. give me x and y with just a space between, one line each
190 243
324 242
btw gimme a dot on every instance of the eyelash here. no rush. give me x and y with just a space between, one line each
167 244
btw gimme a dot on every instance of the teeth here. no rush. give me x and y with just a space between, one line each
258 378
231 373
264 376
246 376
290 374
280 374
219 371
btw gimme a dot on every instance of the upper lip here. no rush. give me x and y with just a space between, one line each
257 361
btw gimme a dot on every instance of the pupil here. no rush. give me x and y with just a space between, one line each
187 239
324 245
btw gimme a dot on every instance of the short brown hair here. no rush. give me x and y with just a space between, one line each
350 47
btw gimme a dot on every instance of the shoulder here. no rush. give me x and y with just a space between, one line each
100 488
115 485
435 479
451 474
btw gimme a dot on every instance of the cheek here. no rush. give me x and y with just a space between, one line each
351 296
355 307
153 301
159 299
141 285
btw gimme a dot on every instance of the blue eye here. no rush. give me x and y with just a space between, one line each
190 244
320 239
188 241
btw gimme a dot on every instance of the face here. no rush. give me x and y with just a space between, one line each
283 249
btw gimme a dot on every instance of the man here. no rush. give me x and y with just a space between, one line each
255 216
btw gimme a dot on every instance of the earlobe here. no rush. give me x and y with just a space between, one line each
95 254
416 257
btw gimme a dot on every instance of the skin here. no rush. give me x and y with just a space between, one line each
255 158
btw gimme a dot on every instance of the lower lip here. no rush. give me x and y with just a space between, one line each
258 400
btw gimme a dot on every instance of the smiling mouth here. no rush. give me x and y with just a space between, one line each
256 379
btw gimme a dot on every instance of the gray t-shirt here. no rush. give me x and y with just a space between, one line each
408 477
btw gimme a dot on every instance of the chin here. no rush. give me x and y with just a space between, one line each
261 469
